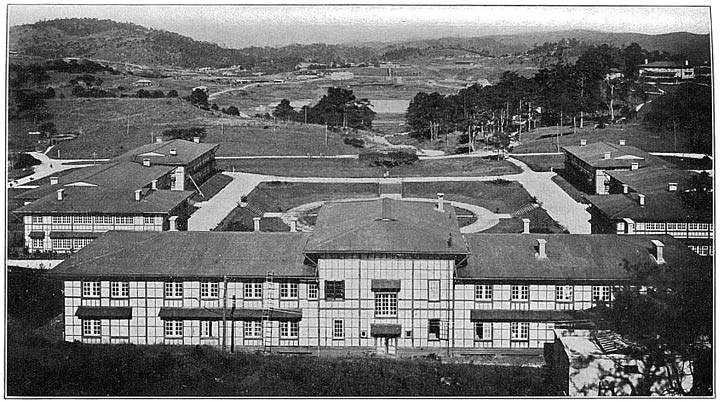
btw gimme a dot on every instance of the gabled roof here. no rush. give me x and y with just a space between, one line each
570 257
189 255
386 225
620 155
160 152
102 200
652 179
119 174
659 207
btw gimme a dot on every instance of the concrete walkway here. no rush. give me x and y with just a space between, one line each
48 167
34 264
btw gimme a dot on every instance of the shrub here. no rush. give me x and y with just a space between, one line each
185 133
355 142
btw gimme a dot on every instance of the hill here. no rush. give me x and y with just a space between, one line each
126 42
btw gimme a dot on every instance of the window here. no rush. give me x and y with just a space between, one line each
519 331
698 226
483 292
119 289
91 328
434 330
385 304
338 329
677 226
483 331
312 291
82 219
289 329
253 290
206 329
61 220
288 290
173 329
519 292
124 220
334 290
601 293
104 220
91 289
62 244
38 243
253 329
209 290
433 290
148 220
655 226
564 294
37 219
639 226
173 290
80 243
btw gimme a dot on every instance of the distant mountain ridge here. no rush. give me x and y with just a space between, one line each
132 43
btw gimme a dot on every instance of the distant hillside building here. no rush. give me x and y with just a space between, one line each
665 72
385 276
142 83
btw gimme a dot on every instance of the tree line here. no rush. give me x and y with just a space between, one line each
338 108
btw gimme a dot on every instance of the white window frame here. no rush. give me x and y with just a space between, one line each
520 293
564 293
338 329
289 329
288 290
173 328
38 220
124 220
206 329
120 290
82 219
483 292
313 293
336 286
519 331
433 290
148 220
62 244
104 220
386 304
61 220
91 289
253 290
601 293
486 331
173 290
253 329
38 243
432 336
209 290
92 328
80 243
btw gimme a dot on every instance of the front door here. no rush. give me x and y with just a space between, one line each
385 345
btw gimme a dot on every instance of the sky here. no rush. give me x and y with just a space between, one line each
258 25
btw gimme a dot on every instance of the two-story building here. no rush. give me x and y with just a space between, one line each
379 275
665 72
72 217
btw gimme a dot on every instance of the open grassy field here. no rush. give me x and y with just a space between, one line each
500 196
308 167
543 163
544 139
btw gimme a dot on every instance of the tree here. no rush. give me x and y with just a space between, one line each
185 133
340 108
199 97
172 94
668 311
698 194
284 111
231 110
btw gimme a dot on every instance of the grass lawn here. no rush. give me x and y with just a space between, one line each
498 197
540 222
544 139
543 163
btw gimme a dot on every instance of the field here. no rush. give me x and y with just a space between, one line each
544 139
542 163
309 167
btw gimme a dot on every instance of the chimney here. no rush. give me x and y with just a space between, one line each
53 180
658 251
441 202
641 200
526 225
293 224
173 223
60 194
646 61
256 223
153 184
625 188
146 162
634 166
583 142
173 151
606 155
686 63
158 140
672 186
541 248
138 195
622 142
196 140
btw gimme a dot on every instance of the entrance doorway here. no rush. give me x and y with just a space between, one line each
386 345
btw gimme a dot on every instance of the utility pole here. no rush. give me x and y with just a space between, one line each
232 323
127 128
306 108
224 314
326 135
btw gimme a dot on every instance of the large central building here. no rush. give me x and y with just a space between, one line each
379 275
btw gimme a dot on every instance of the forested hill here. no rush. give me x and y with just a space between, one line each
125 42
